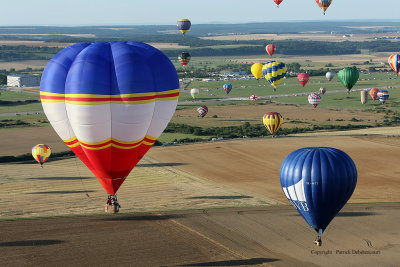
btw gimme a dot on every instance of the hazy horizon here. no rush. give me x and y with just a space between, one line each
159 12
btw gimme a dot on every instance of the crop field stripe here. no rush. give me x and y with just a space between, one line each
209 239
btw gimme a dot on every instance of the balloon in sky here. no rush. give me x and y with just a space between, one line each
383 95
184 58
322 90
323 4
272 121
183 25
329 75
318 182
270 49
253 98
274 72
203 110
394 62
314 99
349 77
278 2
257 70
364 96
374 93
109 102
303 78
194 92
41 153
227 88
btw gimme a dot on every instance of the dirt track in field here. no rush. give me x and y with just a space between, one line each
191 188
239 237
304 37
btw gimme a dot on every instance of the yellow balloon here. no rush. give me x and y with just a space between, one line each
274 72
41 153
272 121
257 70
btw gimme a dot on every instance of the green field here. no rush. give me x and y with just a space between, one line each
290 85
170 137
13 95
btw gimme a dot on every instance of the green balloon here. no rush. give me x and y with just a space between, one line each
349 77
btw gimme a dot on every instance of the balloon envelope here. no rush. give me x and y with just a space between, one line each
323 4
314 99
364 96
194 92
183 25
329 75
227 88
257 70
322 90
394 62
41 153
383 95
318 182
253 98
274 72
203 110
184 58
109 102
303 78
349 77
272 121
270 49
278 2
374 93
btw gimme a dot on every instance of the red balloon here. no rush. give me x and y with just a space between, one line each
270 49
277 2
374 93
303 78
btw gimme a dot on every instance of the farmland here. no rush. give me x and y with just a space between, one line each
197 202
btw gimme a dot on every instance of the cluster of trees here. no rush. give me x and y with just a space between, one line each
24 52
201 47
28 157
250 130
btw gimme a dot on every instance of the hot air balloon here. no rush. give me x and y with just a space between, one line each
323 4
374 93
203 110
364 96
183 25
314 99
274 72
278 2
394 62
194 92
318 182
349 77
253 98
322 91
257 70
303 78
184 58
383 95
270 49
41 153
329 75
272 121
227 88
109 102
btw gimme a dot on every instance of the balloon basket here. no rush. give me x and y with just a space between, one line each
111 208
112 205
318 241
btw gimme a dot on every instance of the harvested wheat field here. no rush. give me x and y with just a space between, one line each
209 204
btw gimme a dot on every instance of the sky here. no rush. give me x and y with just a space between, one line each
155 12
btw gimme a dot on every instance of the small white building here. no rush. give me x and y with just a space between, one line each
21 80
